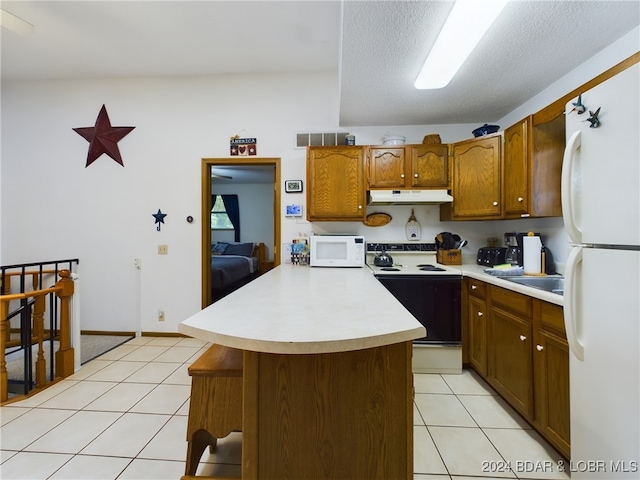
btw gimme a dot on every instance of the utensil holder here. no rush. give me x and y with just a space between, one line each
449 257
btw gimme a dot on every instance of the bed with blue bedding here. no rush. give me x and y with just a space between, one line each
233 265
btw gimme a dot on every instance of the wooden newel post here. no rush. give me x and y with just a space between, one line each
65 354
39 306
4 336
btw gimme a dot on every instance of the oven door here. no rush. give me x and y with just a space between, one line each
435 301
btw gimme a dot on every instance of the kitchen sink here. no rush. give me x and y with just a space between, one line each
554 284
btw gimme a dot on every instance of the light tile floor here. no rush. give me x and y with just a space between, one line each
124 416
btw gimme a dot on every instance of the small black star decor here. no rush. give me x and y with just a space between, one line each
159 218
103 138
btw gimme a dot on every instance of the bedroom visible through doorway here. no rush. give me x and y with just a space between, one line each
247 203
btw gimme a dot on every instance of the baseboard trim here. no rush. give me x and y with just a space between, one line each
110 332
164 334
133 334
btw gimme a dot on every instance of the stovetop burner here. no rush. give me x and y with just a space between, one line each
390 269
430 268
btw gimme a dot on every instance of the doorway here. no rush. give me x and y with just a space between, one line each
224 168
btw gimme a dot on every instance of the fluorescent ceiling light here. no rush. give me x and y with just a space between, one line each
15 24
468 21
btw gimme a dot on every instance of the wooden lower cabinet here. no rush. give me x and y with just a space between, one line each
477 326
551 377
518 345
329 416
510 362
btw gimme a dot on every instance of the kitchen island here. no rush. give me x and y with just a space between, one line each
327 380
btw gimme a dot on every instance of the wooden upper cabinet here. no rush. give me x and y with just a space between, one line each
429 166
335 183
476 183
409 166
387 167
532 168
516 168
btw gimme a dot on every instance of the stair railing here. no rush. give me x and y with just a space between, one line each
33 304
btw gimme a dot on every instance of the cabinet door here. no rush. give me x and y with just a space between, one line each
551 363
510 368
516 169
546 168
387 167
477 316
476 178
551 377
335 184
430 166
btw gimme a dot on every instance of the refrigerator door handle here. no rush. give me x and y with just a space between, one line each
574 142
571 297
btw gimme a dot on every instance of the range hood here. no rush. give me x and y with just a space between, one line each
407 197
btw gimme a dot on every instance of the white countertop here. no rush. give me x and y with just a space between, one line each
477 272
297 310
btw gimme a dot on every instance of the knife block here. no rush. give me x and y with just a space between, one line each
449 257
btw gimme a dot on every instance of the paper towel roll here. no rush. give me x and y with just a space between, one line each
531 254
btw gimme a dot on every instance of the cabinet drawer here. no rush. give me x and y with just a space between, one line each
512 301
552 316
477 288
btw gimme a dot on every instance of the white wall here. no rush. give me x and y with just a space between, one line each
256 214
53 207
604 60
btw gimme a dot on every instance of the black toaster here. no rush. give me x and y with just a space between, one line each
490 256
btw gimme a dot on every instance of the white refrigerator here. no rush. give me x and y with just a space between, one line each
601 208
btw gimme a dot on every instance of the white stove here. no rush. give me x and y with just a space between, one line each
408 259
432 293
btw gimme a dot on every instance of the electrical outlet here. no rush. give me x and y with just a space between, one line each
161 315
163 249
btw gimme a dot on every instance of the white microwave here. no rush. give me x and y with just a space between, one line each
336 251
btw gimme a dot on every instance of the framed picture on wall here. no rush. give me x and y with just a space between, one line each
293 186
293 211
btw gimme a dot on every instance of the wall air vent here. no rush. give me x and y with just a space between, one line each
314 139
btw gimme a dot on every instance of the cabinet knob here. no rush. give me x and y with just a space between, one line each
495 204
480 314
520 199
415 175
522 338
402 175
474 287
359 207
539 348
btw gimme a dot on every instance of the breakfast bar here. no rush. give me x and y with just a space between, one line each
327 382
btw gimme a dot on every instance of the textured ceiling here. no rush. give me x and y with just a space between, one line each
378 48
98 39
530 45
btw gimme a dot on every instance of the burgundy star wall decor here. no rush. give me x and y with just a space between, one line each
103 138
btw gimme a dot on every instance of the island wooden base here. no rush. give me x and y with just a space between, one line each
345 415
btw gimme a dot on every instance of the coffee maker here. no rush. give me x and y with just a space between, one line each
513 241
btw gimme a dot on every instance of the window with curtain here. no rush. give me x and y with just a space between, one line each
219 216
225 214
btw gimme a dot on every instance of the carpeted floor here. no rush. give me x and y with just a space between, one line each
91 346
